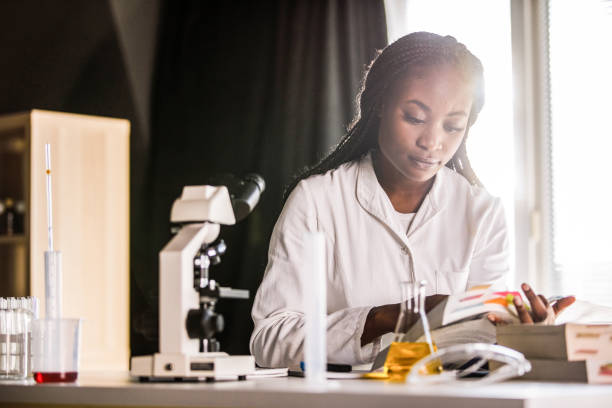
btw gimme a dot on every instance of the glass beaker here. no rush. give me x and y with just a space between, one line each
403 354
55 350
15 318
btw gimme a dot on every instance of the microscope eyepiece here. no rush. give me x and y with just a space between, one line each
247 195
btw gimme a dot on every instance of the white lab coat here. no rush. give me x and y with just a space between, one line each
458 239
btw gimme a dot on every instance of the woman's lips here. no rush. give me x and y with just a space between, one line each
424 162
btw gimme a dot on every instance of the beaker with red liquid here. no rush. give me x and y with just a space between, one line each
55 350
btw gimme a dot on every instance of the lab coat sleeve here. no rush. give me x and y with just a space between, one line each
278 336
489 263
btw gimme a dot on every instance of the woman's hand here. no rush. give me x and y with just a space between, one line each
382 319
541 310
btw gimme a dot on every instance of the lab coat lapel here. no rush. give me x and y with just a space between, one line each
374 200
433 203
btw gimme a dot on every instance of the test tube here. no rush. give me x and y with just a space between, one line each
315 308
53 284
423 315
53 259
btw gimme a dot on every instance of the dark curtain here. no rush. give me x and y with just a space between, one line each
242 87
66 55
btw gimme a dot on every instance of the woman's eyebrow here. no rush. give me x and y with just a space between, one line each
427 109
419 103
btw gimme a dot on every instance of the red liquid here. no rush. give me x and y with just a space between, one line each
55 377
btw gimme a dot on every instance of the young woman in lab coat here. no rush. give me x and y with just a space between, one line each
396 200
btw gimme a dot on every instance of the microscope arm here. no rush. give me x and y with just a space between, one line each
176 294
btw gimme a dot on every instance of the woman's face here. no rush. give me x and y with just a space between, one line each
423 121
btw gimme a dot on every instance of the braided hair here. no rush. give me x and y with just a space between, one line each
393 63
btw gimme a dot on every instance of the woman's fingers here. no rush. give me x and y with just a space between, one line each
563 303
522 311
496 320
544 300
538 308
541 309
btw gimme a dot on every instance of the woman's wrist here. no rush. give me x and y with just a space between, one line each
380 320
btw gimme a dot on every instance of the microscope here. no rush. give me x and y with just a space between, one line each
188 322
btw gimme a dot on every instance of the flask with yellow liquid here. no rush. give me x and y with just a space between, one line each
403 354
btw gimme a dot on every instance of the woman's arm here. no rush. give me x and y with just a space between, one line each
278 336
382 319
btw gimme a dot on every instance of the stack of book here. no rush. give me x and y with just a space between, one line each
568 352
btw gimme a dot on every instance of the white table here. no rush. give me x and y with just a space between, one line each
116 389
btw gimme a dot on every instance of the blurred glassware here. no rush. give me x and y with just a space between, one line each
463 364
16 315
404 354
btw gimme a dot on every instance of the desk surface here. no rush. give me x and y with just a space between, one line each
116 389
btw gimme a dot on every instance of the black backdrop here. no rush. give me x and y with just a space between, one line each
237 87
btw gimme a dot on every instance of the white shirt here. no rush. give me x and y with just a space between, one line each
405 220
458 239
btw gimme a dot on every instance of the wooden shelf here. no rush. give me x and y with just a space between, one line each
12 239
90 161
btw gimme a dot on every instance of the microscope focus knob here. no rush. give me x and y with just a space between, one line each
217 323
204 323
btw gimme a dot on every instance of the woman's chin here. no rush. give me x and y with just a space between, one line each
419 173
419 176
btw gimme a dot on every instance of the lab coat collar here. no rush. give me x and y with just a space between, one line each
374 200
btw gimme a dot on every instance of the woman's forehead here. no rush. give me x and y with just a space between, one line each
441 88
445 79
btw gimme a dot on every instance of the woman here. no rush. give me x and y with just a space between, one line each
389 208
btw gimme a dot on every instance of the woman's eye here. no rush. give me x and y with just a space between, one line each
453 129
412 119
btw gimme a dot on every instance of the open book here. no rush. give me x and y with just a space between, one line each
459 319
474 304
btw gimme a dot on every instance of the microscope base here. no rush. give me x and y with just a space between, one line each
196 367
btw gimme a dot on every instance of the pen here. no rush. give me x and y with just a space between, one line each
337 368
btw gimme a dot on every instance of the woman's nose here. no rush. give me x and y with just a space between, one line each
430 139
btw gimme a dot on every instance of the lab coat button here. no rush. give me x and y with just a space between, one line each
405 250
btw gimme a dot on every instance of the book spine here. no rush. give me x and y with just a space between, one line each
584 343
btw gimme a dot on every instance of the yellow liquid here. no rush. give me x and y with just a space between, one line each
400 359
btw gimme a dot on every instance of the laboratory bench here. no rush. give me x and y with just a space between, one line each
118 390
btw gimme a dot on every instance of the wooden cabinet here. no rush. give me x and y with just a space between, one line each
90 170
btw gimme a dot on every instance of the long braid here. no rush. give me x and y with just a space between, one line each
390 65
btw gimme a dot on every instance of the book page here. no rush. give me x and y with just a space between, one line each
469 331
586 313
477 301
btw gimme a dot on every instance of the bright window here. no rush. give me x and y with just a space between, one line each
580 38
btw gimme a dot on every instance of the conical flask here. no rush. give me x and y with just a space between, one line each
403 354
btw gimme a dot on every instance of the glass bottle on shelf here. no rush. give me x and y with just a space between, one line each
403 353
19 222
8 217
1 217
